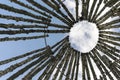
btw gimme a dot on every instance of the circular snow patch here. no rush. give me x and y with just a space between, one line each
83 36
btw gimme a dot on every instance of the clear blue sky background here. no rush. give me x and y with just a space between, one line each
14 48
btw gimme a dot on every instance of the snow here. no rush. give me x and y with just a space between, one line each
83 36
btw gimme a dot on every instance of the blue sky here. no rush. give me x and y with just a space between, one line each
13 48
